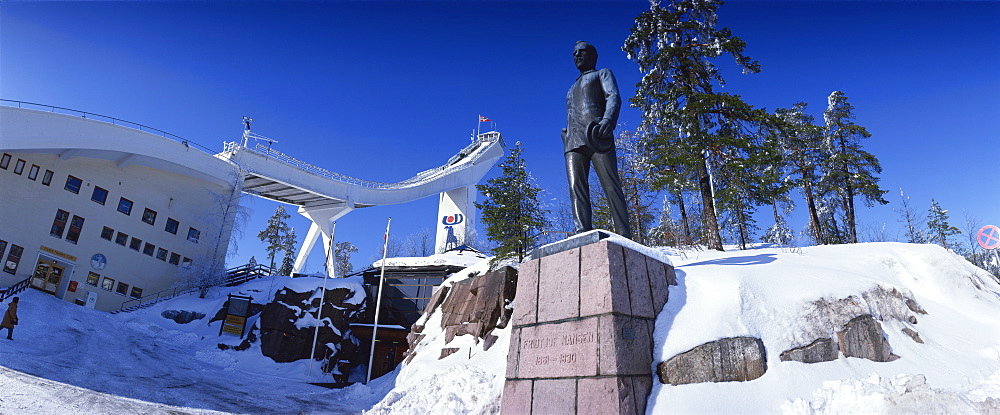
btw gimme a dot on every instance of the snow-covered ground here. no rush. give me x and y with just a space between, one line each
770 293
69 359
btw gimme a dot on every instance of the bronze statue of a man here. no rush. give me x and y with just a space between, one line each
592 107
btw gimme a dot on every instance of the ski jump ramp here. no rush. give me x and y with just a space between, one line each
324 196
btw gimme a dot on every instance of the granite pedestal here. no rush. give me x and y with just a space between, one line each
582 330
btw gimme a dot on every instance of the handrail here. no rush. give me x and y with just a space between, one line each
253 271
114 121
158 295
456 162
14 289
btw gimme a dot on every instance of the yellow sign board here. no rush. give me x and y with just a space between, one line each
231 329
235 320
71 258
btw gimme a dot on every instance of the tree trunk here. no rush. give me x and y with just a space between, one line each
813 216
777 218
852 232
744 232
684 217
712 236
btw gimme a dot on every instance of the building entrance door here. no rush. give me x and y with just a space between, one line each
47 276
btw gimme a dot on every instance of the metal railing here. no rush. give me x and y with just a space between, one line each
460 161
14 289
106 119
148 300
243 273
234 276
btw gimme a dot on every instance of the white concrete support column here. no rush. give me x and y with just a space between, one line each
456 218
322 224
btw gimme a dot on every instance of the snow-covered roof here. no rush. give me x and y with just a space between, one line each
457 257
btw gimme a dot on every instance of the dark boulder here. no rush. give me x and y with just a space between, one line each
863 337
288 326
820 350
730 359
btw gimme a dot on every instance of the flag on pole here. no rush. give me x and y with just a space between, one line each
483 119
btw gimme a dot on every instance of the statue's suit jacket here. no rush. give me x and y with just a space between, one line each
593 97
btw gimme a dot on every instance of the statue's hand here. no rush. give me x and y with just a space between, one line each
605 128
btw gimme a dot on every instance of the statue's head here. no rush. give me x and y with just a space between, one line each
585 56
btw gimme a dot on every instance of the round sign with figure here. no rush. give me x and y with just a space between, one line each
98 261
989 237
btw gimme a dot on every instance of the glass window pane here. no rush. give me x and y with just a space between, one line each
149 216
193 235
100 195
125 206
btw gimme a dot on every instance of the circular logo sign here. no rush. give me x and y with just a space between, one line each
98 261
989 237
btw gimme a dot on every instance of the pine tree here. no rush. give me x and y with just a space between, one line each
275 234
511 213
703 129
849 171
288 249
801 142
938 227
342 258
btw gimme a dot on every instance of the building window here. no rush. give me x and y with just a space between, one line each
172 226
136 244
149 216
175 258
186 262
19 167
75 227
13 259
3 247
193 235
122 288
100 195
107 233
148 249
59 224
47 177
121 239
73 184
33 172
108 283
5 161
92 278
125 206
161 254
136 292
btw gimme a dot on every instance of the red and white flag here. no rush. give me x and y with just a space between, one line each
483 119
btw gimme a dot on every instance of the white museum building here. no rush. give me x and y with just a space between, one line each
98 213
102 212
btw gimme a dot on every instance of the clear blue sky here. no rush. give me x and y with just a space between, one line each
382 90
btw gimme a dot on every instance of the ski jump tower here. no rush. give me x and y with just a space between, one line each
324 196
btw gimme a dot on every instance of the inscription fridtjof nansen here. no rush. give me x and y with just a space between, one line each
565 340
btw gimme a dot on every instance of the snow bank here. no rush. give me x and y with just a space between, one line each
771 293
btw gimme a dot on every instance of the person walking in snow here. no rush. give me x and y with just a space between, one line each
10 318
